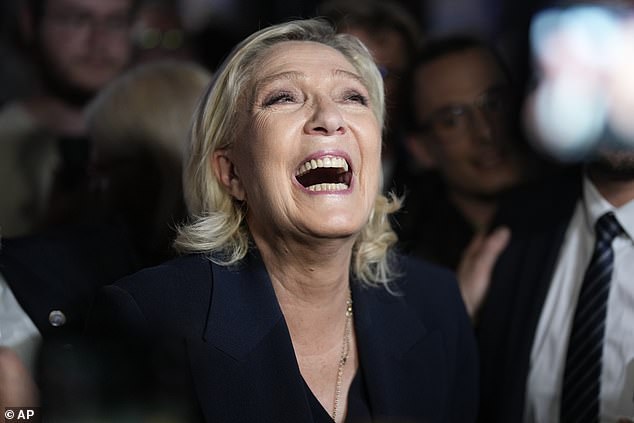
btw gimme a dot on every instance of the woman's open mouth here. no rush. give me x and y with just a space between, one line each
325 173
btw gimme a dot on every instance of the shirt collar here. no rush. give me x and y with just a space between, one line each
595 206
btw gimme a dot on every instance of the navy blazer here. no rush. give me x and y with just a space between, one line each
538 217
416 348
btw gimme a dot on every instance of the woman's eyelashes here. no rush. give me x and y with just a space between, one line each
356 97
291 97
279 97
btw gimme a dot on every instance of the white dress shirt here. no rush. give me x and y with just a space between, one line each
17 331
548 355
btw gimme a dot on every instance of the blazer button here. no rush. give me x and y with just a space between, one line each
56 318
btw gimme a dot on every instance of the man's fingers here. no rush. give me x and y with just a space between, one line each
476 266
17 388
474 247
492 246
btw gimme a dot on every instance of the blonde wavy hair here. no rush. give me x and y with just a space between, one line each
218 225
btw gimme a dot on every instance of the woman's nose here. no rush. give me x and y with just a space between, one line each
326 119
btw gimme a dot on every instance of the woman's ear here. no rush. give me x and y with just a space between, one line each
417 147
227 174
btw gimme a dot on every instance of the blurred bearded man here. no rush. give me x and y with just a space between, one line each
77 47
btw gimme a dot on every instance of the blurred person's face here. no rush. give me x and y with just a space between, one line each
389 50
86 43
307 158
463 111
612 172
615 164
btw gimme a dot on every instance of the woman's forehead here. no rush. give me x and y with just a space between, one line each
300 56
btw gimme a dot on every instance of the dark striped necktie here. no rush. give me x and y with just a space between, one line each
582 374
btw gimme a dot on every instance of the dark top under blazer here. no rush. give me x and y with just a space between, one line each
416 348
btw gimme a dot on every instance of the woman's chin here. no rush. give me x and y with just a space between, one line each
335 229
335 220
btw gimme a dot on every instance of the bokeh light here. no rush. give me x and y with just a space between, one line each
585 66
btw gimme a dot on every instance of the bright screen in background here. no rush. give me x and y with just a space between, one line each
584 57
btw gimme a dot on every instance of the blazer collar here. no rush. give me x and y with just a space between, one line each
244 308
244 311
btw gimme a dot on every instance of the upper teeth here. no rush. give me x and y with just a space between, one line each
338 162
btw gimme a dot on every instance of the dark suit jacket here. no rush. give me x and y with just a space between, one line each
416 348
429 226
538 218
61 270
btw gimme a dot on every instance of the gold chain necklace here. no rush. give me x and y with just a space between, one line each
345 352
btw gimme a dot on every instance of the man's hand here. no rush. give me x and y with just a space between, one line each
476 266
17 388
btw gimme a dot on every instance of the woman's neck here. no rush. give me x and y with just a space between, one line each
311 282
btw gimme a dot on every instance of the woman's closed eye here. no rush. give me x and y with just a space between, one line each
280 97
289 97
356 97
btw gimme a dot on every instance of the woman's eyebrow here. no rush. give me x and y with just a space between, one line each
347 74
287 75
296 75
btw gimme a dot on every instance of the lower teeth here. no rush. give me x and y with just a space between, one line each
328 187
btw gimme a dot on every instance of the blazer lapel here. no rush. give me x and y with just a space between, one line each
243 309
387 329
245 362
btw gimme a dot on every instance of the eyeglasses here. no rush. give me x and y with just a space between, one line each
458 119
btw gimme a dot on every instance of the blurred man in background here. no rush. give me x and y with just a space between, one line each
462 135
77 47
555 329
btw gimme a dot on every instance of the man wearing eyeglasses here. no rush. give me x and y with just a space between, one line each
462 134
76 47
